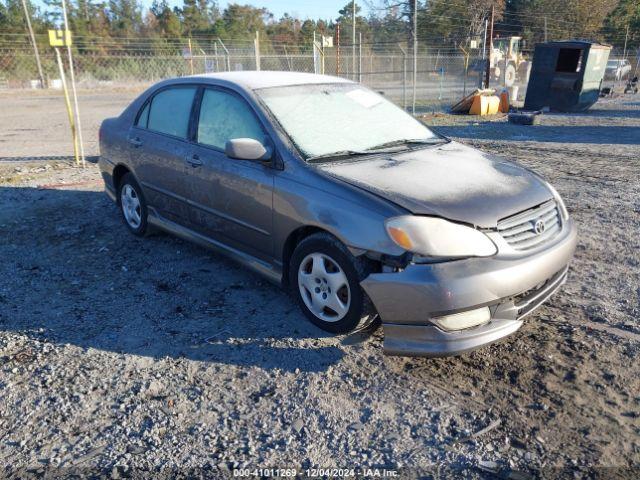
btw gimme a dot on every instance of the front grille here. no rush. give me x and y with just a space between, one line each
531 228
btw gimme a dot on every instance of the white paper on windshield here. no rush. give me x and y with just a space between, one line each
364 98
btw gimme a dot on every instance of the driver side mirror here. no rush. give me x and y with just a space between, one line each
247 149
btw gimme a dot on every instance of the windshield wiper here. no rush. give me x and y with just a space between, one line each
408 141
341 153
388 147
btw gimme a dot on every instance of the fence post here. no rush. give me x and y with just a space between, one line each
415 54
404 76
313 53
256 44
489 46
286 56
484 54
338 49
227 56
353 39
359 57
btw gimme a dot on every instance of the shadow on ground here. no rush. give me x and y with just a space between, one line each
74 275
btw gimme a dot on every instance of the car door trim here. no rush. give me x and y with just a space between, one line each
204 208
271 271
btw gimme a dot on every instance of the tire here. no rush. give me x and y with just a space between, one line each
510 75
133 205
325 279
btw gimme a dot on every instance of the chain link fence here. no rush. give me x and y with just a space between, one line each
443 74
442 77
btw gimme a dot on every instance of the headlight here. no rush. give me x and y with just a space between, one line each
435 237
561 206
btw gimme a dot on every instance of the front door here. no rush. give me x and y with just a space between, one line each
232 198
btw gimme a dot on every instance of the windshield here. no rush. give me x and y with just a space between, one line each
340 117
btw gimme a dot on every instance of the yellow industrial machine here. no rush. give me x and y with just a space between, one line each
507 62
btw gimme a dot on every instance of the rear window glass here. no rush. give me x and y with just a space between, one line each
170 110
143 118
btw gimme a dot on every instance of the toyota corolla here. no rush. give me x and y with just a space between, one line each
330 190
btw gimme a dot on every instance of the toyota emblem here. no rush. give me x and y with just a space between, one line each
539 227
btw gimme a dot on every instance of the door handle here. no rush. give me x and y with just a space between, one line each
136 142
194 161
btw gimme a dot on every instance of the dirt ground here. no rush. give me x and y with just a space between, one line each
121 355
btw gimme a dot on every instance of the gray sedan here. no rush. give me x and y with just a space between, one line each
327 188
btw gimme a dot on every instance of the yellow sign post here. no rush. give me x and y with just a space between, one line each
62 38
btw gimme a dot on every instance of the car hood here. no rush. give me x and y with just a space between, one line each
452 181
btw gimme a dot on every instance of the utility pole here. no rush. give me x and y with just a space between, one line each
545 29
73 83
27 16
489 46
415 54
353 38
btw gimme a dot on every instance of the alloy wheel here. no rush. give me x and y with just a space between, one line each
324 287
131 207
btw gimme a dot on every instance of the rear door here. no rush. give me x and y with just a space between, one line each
232 198
159 147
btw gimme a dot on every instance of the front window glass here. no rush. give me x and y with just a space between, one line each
170 111
323 119
224 116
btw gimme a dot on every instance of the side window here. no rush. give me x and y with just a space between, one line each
224 116
143 118
170 110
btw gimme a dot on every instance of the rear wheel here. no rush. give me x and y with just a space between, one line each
325 279
132 205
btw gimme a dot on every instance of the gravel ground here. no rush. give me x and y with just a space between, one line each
122 356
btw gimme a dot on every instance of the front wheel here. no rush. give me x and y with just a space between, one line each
325 279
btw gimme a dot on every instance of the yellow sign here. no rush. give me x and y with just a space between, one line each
59 38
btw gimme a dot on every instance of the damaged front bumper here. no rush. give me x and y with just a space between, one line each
511 285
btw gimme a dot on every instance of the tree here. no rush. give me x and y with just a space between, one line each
240 22
565 19
625 14
125 18
12 17
456 23
198 16
167 20
346 23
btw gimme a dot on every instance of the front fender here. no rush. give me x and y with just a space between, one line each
355 217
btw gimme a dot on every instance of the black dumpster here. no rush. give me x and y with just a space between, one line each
566 76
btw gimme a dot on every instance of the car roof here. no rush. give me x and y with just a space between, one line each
253 80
